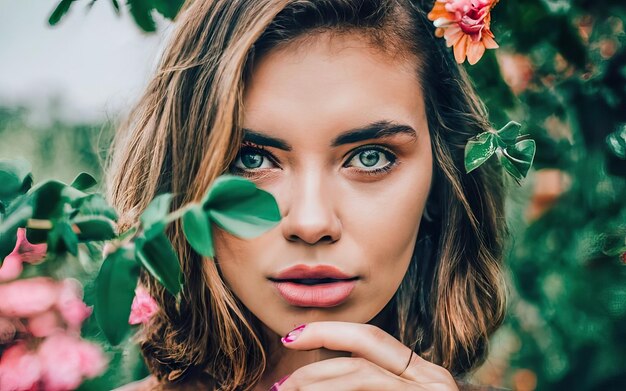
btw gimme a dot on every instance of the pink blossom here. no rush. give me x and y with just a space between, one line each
70 304
19 368
465 24
517 71
7 331
11 268
44 324
143 307
25 298
28 252
92 360
23 252
66 359
60 362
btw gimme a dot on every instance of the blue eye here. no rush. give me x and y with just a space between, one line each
250 158
373 159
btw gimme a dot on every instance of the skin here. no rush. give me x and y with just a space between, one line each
333 211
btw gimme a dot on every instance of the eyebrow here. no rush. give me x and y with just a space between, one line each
374 130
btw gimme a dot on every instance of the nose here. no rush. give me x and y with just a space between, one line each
311 217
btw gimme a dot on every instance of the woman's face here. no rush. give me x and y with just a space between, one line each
337 132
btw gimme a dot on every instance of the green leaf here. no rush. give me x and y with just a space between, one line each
62 238
95 204
158 256
617 142
59 11
510 168
478 149
16 179
153 217
141 10
115 290
83 181
509 132
197 229
16 217
94 228
239 207
168 8
613 244
225 187
116 6
517 159
48 200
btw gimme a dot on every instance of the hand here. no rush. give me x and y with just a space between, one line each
378 362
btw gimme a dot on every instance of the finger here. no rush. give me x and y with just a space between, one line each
362 340
350 383
343 374
331 368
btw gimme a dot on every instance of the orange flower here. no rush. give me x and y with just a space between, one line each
465 25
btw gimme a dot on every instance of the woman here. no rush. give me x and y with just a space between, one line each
384 272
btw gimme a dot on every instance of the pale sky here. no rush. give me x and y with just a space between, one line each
97 62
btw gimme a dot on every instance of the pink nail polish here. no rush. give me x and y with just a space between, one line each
293 334
278 383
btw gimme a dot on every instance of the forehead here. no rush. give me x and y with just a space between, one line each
328 84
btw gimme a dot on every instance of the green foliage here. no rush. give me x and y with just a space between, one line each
61 215
515 155
115 289
140 10
237 206
561 70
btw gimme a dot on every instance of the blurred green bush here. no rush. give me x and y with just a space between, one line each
561 72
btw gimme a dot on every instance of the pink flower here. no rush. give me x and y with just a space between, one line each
19 368
517 71
11 268
70 304
7 331
143 307
23 252
60 362
92 360
45 324
465 24
66 359
25 298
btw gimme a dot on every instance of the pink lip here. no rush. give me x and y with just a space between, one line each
322 295
328 294
318 271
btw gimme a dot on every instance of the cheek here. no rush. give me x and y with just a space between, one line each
384 226
235 260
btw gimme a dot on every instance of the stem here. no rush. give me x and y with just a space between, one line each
178 213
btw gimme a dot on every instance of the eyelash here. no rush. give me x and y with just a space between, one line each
258 149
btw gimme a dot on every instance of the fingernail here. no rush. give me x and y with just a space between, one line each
293 334
278 383
281 381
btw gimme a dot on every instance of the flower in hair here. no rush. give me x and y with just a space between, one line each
465 25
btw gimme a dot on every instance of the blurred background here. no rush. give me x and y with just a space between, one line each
560 71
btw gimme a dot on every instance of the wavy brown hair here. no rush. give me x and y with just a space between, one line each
186 131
